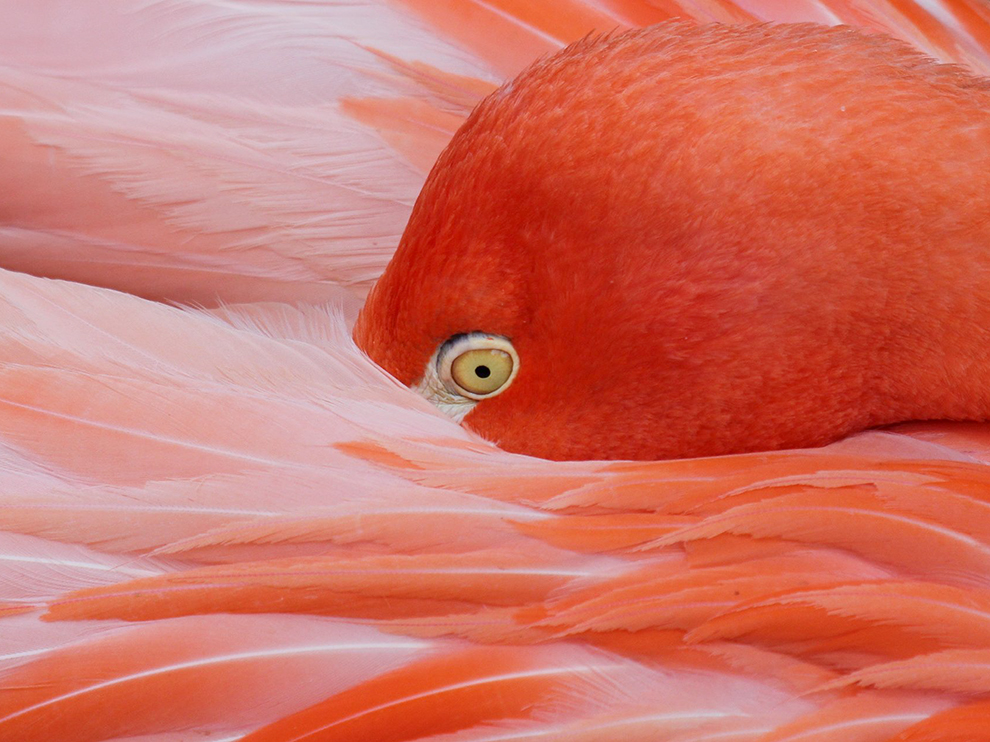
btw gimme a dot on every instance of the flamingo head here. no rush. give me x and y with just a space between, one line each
685 241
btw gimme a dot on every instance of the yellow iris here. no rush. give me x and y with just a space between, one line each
481 371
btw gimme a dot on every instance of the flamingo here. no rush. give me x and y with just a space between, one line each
221 521
637 245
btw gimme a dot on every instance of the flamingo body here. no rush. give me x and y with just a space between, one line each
225 523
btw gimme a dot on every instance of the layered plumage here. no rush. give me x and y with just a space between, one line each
227 524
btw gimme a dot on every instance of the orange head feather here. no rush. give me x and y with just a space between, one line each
704 240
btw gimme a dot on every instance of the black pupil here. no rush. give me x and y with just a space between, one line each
483 372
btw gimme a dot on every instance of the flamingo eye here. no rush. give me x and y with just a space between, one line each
477 365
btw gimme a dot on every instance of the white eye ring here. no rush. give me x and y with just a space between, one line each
458 345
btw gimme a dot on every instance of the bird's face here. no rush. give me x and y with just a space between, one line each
651 247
